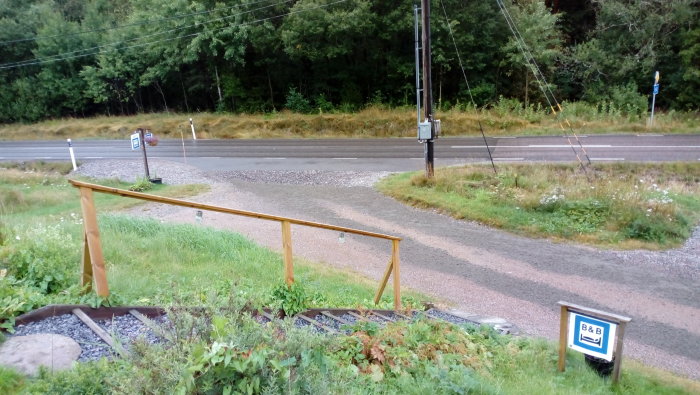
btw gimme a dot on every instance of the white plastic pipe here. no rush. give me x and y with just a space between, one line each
194 136
72 155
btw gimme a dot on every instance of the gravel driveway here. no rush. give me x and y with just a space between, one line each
467 266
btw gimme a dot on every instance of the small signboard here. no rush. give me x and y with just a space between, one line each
135 141
656 89
148 135
592 336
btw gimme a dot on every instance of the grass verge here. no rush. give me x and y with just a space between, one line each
627 206
211 352
500 120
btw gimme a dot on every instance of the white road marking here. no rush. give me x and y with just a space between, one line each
344 158
94 157
607 159
504 159
567 145
506 137
650 135
275 158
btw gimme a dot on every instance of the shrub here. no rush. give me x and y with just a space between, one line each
296 102
291 299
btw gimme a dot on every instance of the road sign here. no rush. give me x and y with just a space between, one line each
656 89
135 141
656 78
592 336
148 134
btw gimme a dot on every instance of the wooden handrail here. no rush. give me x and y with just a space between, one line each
208 207
93 261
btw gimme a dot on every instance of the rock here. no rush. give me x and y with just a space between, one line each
27 353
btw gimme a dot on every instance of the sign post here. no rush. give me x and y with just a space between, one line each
653 97
593 332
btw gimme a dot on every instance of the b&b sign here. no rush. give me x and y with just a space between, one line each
592 336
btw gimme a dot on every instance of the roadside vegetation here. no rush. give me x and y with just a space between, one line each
505 118
626 206
215 350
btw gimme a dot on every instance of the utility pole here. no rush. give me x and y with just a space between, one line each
427 88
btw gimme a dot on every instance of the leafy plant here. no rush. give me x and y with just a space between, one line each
143 184
291 299
296 102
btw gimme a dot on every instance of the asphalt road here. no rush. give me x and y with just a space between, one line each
368 154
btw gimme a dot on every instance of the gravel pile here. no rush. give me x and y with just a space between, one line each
127 329
69 325
434 313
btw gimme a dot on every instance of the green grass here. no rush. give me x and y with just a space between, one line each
151 263
649 206
503 119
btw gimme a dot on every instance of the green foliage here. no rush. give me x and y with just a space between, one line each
10 381
296 102
291 299
42 257
143 184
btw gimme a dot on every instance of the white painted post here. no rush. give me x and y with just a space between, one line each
72 155
194 136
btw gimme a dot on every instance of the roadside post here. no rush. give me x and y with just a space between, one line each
596 333
194 136
72 154
653 97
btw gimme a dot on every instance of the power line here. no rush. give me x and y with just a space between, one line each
147 22
469 89
537 72
62 55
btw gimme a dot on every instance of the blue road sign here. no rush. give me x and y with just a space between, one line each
592 336
656 89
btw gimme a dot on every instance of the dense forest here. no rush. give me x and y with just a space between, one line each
84 57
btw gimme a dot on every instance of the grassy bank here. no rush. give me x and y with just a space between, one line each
649 206
151 263
503 119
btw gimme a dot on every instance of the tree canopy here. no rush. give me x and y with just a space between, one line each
80 58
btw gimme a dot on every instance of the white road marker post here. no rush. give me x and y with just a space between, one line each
72 155
194 136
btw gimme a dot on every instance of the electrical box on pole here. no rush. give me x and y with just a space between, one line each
426 129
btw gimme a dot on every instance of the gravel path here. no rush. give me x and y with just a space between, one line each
471 267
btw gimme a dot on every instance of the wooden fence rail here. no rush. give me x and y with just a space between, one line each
93 267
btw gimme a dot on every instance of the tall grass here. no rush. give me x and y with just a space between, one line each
505 117
623 205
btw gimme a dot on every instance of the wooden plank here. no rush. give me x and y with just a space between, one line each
185 203
99 331
384 280
267 315
316 323
86 264
335 317
358 316
92 236
405 317
397 276
595 313
618 352
383 316
287 252
563 334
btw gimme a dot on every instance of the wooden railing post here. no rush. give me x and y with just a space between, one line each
287 246
563 334
397 280
86 277
92 244
384 280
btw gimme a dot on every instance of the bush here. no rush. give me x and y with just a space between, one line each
43 257
296 102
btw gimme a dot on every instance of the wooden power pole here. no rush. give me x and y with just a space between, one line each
427 88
